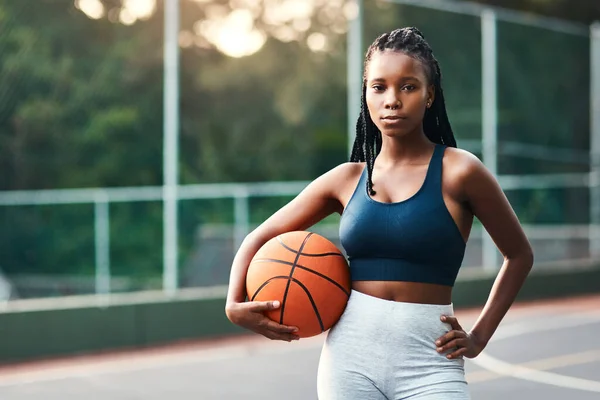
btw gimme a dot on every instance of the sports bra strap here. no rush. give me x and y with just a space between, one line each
434 173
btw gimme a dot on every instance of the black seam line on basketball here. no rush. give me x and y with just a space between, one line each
312 301
305 269
265 284
308 254
310 298
287 287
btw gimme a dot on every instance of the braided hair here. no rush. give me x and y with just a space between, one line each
436 125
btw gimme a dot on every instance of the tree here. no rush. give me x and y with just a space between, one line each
81 106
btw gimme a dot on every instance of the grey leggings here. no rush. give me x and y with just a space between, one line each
382 349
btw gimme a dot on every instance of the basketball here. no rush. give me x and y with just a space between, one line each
308 275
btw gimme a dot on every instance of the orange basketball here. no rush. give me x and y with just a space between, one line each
309 276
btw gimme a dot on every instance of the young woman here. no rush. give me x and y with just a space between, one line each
407 201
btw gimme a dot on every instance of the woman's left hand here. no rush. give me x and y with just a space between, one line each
462 343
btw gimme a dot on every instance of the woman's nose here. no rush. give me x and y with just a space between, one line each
392 101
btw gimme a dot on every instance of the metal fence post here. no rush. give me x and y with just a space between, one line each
489 135
595 140
354 60
242 219
102 243
171 147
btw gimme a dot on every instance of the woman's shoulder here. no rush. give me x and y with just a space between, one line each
345 171
461 162
463 169
342 177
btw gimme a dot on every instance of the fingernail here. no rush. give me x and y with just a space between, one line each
438 343
439 349
443 318
275 304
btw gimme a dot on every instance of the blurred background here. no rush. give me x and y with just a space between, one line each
141 140
137 148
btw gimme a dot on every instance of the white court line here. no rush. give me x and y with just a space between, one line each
504 368
549 324
533 375
568 360
148 362
565 360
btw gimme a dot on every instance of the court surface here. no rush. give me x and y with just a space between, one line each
544 350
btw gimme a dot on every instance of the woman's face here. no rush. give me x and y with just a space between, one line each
397 93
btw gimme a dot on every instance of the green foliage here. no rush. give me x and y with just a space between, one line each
47 239
81 105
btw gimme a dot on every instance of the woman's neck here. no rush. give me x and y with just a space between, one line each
396 151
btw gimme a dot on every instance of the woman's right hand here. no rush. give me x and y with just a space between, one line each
250 315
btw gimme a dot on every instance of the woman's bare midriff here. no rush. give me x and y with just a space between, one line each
408 292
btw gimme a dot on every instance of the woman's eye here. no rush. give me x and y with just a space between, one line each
408 88
378 88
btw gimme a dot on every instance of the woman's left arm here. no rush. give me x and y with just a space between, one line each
486 200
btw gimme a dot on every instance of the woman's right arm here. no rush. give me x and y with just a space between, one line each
318 200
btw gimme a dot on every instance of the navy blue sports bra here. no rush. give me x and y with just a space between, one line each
415 240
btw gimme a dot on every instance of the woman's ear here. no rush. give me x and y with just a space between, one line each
430 95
